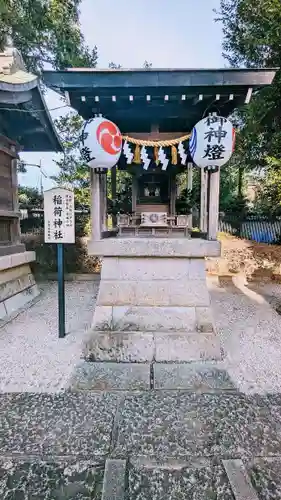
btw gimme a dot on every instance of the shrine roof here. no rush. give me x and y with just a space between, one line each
174 99
24 117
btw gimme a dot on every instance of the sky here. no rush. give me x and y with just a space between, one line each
166 33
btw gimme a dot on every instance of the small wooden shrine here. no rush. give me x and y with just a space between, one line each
155 111
153 303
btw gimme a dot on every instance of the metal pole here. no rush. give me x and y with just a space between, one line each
61 291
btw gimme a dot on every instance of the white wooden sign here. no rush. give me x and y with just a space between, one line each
59 217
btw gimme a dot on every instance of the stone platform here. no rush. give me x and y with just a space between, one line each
153 301
17 284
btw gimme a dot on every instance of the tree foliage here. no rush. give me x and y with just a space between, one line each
252 37
72 169
45 31
29 198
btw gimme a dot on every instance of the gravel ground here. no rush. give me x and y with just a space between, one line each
33 358
250 331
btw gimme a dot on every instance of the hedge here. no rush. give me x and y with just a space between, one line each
76 259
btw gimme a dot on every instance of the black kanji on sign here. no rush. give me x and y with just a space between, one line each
218 134
57 199
58 235
210 120
57 211
57 223
214 152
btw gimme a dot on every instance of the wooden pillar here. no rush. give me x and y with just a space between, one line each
173 194
103 201
214 206
189 187
189 176
134 193
113 193
16 232
95 205
203 202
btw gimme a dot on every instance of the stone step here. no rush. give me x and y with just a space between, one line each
107 376
140 347
150 318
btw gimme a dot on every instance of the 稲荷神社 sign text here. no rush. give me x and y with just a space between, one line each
59 217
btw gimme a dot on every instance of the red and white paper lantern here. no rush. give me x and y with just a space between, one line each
102 143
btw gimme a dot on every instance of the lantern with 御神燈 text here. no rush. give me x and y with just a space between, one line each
212 142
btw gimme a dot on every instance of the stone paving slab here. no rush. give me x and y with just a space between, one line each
265 475
78 424
59 479
111 376
178 482
181 425
201 377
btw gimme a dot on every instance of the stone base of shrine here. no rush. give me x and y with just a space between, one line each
153 302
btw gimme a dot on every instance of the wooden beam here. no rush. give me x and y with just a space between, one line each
156 135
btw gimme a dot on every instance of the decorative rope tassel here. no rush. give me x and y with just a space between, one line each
137 158
156 155
174 154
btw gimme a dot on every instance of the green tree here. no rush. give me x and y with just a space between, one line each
45 31
72 169
30 198
252 37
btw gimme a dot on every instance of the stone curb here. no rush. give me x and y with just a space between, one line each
239 480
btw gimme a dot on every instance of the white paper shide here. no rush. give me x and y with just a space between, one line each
59 216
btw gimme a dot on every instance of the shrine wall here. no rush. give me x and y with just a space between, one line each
17 284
